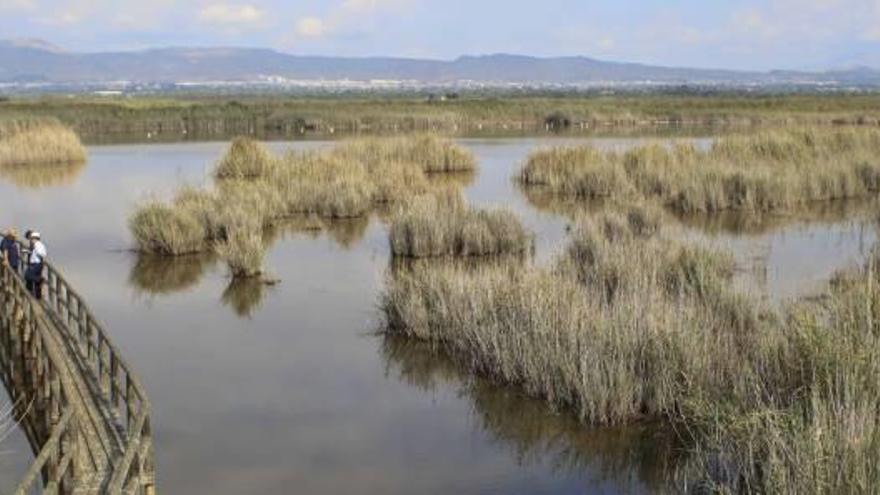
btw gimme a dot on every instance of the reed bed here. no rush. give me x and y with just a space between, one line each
809 420
760 172
474 111
164 229
254 190
443 225
38 141
629 325
432 153
245 159
609 330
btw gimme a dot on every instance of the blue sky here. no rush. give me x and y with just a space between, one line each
748 34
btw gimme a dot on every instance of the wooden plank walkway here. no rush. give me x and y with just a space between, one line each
84 412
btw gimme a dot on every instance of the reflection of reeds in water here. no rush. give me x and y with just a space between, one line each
162 275
723 222
43 175
744 223
244 296
346 232
624 456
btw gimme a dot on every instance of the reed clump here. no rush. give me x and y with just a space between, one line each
38 141
810 422
430 152
629 324
764 171
245 159
161 228
255 190
611 330
443 225
243 250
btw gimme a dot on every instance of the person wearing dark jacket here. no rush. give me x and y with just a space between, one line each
10 251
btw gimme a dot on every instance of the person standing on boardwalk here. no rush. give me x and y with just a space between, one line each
10 251
33 276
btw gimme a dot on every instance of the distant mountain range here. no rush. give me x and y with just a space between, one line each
28 61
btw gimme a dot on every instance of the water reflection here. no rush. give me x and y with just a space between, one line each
40 176
245 296
165 275
735 223
629 458
292 397
156 275
346 232
748 223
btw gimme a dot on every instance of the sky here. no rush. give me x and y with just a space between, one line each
746 34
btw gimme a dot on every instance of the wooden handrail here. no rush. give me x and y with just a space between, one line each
114 386
53 447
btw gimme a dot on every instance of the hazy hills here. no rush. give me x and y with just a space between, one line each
36 60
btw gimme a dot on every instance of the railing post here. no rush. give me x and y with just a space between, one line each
114 382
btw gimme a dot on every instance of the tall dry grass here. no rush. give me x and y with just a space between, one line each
165 229
431 153
245 159
629 324
809 422
254 190
610 330
443 225
764 171
38 141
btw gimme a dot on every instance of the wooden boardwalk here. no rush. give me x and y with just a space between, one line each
82 409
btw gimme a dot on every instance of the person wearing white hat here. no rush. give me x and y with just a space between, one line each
36 258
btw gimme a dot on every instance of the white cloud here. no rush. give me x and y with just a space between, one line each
231 15
311 27
16 4
343 15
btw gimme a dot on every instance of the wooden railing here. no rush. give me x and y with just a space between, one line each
34 373
117 393
118 387
56 463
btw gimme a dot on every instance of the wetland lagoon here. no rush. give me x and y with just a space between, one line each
294 387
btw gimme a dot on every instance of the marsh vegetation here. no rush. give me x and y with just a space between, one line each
757 172
261 116
630 324
254 190
435 225
26 142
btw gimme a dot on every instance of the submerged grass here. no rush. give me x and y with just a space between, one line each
765 171
443 225
38 141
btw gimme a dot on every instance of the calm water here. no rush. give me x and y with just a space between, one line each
289 388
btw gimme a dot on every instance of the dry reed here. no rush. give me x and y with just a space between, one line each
25 142
765 171
443 225
629 324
